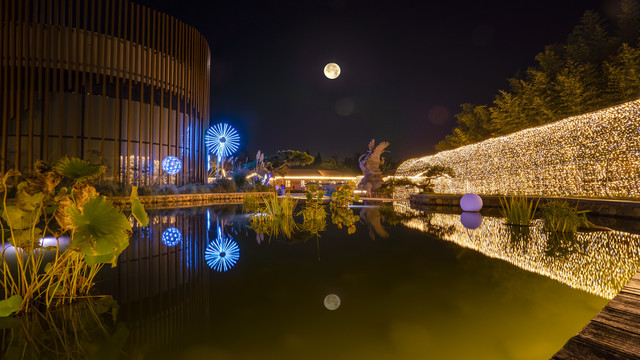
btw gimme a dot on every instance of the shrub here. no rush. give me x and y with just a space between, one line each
561 216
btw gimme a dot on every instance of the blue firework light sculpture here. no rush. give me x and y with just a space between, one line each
222 253
171 236
171 165
222 140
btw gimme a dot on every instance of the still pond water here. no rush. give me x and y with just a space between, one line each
410 285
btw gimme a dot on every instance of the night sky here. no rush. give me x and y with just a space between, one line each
406 65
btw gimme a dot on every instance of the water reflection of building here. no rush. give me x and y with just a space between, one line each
162 290
599 262
296 179
108 81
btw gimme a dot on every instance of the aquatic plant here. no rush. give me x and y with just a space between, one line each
518 210
251 203
341 215
275 216
87 329
561 216
97 231
344 217
313 214
344 195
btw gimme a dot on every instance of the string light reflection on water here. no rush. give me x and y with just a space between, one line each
222 253
599 262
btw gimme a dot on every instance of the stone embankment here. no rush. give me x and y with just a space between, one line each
601 207
184 200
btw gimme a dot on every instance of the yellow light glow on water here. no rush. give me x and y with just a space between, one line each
595 154
599 262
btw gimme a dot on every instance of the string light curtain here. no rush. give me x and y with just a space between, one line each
595 154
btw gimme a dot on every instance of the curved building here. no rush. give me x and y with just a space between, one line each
109 81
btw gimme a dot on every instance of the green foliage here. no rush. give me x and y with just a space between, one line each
240 178
284 159
98 232
560 216
343 196
314 215
341 215
518 210
251 203
223 185
275 216
344 217
10 305
137 210
86 330
591 70
77 169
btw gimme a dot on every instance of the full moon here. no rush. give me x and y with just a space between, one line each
332 70
332 301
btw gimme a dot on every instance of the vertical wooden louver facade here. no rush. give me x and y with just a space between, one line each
104 80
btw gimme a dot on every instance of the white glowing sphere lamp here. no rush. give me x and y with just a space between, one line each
471 202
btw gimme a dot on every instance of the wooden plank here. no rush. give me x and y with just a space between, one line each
626 302
620 319
584 349
611 337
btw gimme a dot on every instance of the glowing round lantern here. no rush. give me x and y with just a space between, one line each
171 237
471 202
471 220
171 165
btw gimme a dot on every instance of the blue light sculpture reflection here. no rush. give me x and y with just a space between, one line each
171 165
172 236
222 253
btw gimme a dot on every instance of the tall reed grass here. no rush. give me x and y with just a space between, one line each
518 210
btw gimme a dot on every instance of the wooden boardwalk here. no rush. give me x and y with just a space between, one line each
614 333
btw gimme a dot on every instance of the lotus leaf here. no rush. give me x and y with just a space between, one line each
26 201
101 231
78 169
17 218
10 305
137 209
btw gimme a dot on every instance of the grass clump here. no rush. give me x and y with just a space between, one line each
275 216
313 214
518 210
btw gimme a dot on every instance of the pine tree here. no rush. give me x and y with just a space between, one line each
623 75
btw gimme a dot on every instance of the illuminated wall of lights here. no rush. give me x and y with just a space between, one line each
595 154
600 263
